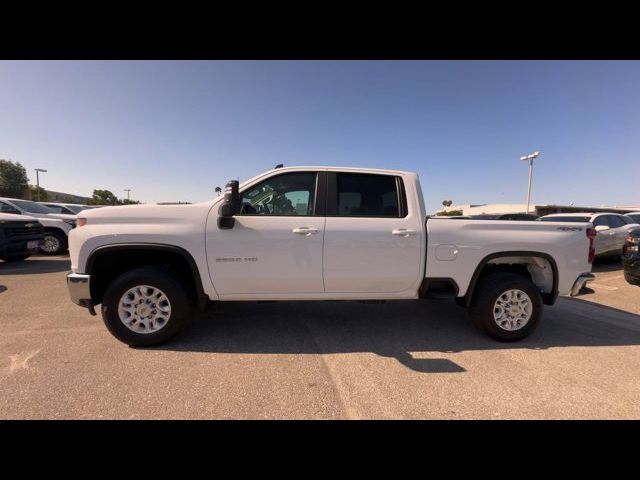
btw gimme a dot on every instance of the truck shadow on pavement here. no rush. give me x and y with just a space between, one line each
35 265
3 288
402 330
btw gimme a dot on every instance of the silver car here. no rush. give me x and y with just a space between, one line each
612 229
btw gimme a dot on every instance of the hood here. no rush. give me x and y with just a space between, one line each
147 213
12 217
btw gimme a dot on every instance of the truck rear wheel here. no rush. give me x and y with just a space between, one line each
146 306
507 306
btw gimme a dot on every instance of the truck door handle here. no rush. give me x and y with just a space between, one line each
305 230
403 232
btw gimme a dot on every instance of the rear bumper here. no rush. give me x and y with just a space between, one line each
580 282
79 286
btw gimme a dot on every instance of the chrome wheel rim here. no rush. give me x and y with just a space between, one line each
144 309
512 310
50 244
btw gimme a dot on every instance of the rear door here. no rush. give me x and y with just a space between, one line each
373 236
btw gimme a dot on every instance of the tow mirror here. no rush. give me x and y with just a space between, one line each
602 228
230 206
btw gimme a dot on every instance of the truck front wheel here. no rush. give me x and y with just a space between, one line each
146 306
507 306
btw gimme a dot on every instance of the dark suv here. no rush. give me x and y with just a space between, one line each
19 237
631 257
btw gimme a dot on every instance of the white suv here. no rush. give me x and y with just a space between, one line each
612 229
56 226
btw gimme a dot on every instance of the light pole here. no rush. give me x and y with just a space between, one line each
128 190
38 170
531 158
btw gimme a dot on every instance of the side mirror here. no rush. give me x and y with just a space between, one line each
230 206
602 228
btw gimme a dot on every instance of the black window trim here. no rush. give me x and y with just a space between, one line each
332 195
320 189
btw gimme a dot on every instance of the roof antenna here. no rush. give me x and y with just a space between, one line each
280 165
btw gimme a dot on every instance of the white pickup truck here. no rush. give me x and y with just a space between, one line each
317 233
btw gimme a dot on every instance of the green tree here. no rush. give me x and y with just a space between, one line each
126 201
33 192
103 197
13 179
450 213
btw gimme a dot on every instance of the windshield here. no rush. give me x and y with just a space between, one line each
31 207
566 219
634 216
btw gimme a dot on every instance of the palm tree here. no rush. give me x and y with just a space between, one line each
218 190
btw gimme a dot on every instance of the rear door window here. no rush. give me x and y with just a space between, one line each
369 195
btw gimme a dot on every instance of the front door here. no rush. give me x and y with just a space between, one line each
275 246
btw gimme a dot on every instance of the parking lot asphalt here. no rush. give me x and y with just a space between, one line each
319 360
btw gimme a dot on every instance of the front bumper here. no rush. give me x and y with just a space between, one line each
580 282
79 286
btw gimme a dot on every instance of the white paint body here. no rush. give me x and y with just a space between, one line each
331 257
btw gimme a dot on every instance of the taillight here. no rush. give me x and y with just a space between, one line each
632 246
591 235
81 222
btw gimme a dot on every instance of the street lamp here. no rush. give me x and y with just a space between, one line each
38 170
127 190
531 158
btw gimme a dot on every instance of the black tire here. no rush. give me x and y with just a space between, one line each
181 305
15 258
486 295
61 240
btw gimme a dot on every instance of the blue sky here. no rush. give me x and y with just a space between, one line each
172 131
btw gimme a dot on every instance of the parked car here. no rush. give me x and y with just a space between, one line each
66 208
631 257
612 229
635 216
317 233
20 237
56 226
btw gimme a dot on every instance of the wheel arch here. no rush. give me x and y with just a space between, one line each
140 254
548 298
